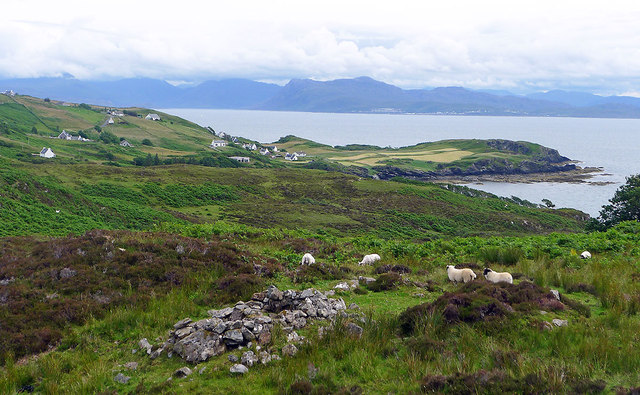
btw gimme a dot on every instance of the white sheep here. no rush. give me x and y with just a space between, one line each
369 259
460 275
495 277
308 259
585 255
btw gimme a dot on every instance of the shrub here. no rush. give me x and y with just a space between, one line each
385 282
230 289
147 142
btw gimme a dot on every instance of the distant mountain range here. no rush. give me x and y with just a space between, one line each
358 95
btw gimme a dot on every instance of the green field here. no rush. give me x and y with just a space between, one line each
98 253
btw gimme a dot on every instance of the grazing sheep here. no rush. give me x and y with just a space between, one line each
495 277
460 275
585 255
307 259
369 259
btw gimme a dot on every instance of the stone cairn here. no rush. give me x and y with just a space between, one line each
245 323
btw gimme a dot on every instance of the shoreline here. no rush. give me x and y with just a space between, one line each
576 176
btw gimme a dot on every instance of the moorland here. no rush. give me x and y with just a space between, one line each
100 250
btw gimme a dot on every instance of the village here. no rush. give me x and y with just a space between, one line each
221 141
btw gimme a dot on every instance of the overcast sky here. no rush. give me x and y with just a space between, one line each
513 45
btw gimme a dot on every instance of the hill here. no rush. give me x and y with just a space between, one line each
361 94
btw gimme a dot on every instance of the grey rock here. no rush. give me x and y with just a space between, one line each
354 330
264 357
131 365
145 345
307 293
233 337
557 322
233 358
182 323
67 273
182 372
239 369
330 293
199 346
121 378
182 332
202 369
249 358
289 350
353 306
294 337
220 313
156 353
342 286
7 281
180 249
366 280
555 294
274 293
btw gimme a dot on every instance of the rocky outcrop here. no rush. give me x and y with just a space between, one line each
245 324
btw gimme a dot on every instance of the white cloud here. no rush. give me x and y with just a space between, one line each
490 44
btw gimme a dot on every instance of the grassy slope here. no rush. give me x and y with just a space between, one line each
423 156
600 342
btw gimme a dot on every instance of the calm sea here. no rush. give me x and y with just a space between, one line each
613 144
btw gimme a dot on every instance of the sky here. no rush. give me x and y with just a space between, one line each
518 45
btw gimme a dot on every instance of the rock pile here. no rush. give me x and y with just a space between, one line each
245 323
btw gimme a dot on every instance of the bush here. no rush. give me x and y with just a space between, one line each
109 138
385 282
147 142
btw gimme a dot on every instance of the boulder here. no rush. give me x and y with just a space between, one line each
121 378
239 369
557 322
289 350
182 372
249 358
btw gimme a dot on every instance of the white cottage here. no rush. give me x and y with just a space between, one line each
264 151
152 117
291 157
47 153
218 143
125 143
64 135
241 159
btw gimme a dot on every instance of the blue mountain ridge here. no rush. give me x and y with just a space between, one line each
356 95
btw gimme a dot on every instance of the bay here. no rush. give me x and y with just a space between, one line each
613 144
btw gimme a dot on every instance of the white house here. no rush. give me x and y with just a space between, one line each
110 121
64 135
241 159
291 156
264 151
47 153
300 154
273 148
9 93
250 147
153 117
218 143
125 143
235 140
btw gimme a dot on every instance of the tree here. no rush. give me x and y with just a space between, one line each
109 138
147 142
34 130
548 203
625 204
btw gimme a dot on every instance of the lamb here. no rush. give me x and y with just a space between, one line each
585 255
369 259
460 275
308 259
495 277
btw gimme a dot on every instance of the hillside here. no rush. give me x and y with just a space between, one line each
115 277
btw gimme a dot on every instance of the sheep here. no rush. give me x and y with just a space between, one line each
460 275
369 259
307 259
585 255
495 277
